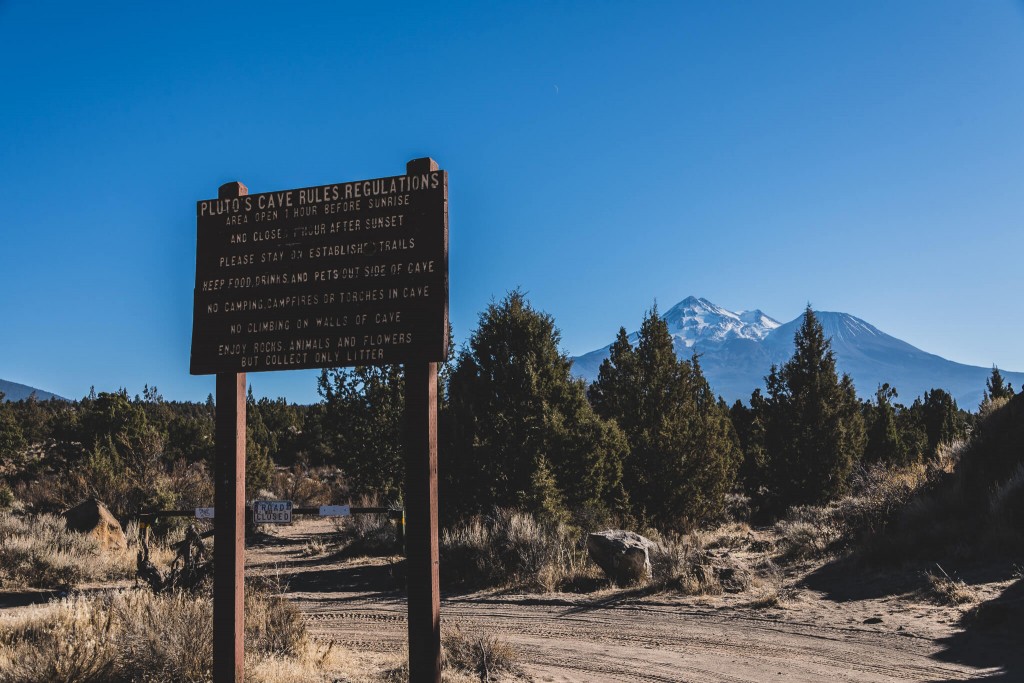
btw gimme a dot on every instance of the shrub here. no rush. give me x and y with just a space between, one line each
40 552
368 534
138 637
480 654
809 532
945 590
702 564
512 548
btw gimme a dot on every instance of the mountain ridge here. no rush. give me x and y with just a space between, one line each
735 360
13 391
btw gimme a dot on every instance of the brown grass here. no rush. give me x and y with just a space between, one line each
943 589
367 534
135 636
513 549
484 655
38 551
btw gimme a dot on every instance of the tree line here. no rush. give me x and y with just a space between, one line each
646 443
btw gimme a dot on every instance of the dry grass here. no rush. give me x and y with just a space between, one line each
138 637
809 532
509 548
368 534
313 548
482 655
38 551
943 589
467 658
711 563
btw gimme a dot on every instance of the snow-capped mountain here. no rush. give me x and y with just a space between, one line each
737 350
694 320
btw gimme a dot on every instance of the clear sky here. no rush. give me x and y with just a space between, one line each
866 157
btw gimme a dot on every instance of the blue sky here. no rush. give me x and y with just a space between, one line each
866 157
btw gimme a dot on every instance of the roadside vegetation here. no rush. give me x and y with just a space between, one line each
532 461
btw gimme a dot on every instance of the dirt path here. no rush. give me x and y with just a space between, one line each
613 637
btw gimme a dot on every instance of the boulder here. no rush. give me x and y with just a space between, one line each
92 517
623 555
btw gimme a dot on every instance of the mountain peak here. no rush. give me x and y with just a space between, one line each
695 320
738 349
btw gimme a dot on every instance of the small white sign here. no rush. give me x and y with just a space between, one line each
334 511
204 513
272 512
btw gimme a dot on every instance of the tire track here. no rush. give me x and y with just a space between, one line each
563 640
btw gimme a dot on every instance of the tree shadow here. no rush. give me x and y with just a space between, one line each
25 598
260 539
992 637
851 578
370 578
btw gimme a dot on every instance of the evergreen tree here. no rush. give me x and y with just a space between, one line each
940 420
884 442
750 433
362 421
519 427
996 388
259 442
12 440
684 453
813 429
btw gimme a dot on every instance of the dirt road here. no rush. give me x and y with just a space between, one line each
615 637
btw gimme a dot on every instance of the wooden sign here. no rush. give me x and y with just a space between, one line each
335 275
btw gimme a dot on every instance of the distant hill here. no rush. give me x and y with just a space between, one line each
16 392
738 349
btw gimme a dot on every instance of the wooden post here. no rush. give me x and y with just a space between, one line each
421 573
229 517
421 510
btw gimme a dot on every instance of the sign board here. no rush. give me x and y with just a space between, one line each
204 513
335 511
272 512
334 275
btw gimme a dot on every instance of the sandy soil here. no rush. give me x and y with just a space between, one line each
832 627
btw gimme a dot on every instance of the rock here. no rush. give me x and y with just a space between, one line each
623 555
92 517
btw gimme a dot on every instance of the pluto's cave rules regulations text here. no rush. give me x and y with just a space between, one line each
335 275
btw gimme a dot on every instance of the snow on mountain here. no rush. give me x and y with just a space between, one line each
737 350
694 321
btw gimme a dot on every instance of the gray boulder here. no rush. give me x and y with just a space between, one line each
623 555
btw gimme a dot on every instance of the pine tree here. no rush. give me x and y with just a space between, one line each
684 452
884 441
515 411
750 432
12 439
363 423
813 429
996 388
259 442
940 419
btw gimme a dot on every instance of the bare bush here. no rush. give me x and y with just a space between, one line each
809 532
139 637
38 551
368 534
509 547
306 486
944 589
478 653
